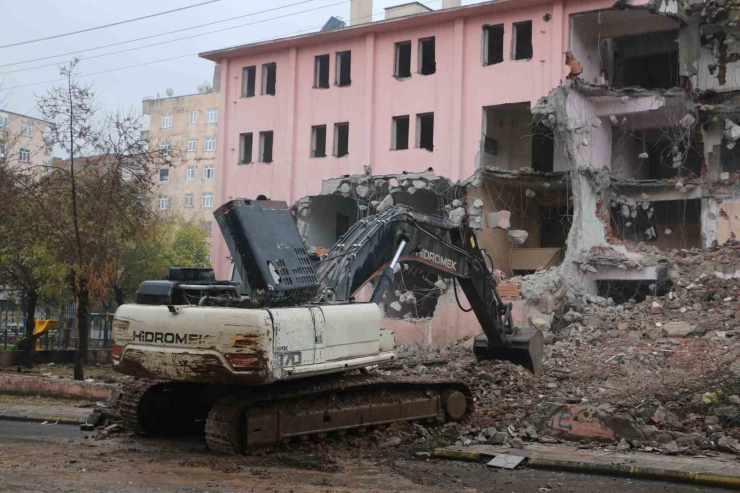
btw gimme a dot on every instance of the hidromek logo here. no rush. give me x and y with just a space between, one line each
167 337
437 259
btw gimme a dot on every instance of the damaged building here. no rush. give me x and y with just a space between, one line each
578 138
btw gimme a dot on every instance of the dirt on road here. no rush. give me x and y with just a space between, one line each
38 458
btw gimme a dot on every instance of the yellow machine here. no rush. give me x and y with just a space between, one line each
40 328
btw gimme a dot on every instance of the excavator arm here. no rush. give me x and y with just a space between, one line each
373 245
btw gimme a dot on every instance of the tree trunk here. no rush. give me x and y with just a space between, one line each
31 299
120 296
83 301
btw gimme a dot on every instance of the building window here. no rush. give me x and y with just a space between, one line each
212 115
47 161
427 56
193 119
3 121
192 144
400 137
321 72
249 74
245 148
164 175
163 203
24 156
493 44
269 73
27 129
318 141
207 199
188 200
166 121
425 131
344 68
208 226
2 150
164 147
403 59
266 147
210 144
208 172
341 139
190 173
522 39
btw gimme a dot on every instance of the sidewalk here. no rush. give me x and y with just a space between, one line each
723 471
40 409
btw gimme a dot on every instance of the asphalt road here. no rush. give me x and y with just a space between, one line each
60 458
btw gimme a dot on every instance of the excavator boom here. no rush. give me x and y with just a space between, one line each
443 248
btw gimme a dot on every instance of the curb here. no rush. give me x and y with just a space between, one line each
52 387
40 418
637 472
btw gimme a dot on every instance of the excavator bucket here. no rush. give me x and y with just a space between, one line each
524 348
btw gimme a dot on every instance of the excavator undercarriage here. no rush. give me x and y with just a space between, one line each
279 353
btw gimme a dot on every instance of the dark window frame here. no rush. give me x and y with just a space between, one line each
343 68
498 30
395 128
269 82
522 51
425 65
266 153
397 72
321 70
249 81
316 140
340 148
421 118
244 156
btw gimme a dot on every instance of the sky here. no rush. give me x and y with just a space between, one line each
125 89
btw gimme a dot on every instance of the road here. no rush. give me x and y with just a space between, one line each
61 458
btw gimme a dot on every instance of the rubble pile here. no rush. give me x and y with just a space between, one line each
659 375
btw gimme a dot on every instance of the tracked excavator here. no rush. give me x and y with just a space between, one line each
280 352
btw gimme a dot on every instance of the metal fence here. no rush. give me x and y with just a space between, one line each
12 327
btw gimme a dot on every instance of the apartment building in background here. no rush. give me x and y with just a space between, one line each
23 141
568 133
186 129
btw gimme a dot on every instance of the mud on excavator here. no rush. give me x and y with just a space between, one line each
270 357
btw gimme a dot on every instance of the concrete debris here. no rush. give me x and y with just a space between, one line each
687 121
456 216
517 236
731 132
396 306
614 120
499 220
506 461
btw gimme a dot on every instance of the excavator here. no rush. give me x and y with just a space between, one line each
281 352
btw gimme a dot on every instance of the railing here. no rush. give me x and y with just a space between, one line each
66 336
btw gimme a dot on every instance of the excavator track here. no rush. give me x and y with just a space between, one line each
156 407
260 418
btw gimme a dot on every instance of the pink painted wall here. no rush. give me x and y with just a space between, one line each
456 93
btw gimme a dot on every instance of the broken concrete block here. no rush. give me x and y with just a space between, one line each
596 122
386 203
678 329
624 99
456 203
345 188
732 131
362 191
643 155
529 193
540 320
419 184
396 306
506 461
614 120
439 283
499 220
456 216
687 121
516 236
478 203
411 190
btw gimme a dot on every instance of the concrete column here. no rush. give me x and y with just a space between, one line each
457 98
289 141
219 252
360 12
558 26
369 81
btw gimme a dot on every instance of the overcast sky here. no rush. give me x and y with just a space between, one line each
32 19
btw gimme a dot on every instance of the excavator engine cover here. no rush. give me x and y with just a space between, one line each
268 252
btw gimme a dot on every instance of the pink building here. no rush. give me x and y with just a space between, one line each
462 90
